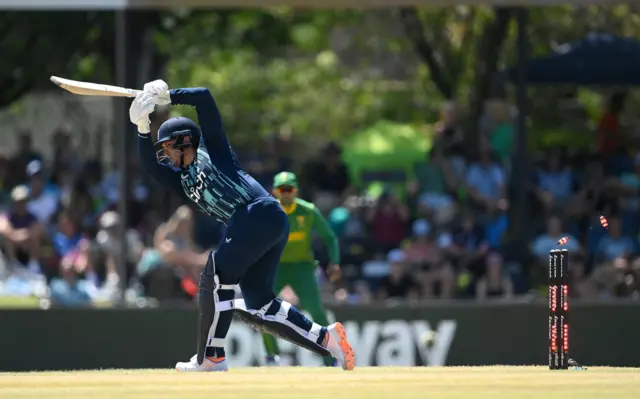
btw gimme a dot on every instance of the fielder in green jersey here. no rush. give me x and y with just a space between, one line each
297 267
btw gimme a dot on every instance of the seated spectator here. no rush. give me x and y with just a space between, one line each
555 184
174 261
619 278
424 252
399 284
65 238
549 240
494 284
81 201
614 244
388 219
485 181
105 255
434 181
71 288
582 286
21 233
467 245
328 179
43 201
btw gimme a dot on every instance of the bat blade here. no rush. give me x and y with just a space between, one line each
92 89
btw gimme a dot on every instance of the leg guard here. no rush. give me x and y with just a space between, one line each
276 318
209 308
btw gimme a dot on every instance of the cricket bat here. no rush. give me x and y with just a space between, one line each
93 89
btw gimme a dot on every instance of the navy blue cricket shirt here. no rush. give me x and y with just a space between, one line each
214 181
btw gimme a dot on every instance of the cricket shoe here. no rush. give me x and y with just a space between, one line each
339 347
208 364
272 361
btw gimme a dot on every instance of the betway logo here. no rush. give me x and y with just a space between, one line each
381 343
397 342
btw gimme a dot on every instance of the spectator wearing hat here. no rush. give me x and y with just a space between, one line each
20 232
43 198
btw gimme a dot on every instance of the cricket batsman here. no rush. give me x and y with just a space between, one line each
297 264
198 163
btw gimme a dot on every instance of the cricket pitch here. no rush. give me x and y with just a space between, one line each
497 382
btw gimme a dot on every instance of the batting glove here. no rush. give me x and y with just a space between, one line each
141 107
160 91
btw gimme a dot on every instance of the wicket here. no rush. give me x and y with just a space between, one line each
558 310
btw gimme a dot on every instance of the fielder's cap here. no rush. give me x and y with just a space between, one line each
285 179
20 193
421 227
396 256
34 167
109 219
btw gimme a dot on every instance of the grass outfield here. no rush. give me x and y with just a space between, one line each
319 383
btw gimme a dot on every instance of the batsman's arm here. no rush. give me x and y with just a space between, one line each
324 230
209 117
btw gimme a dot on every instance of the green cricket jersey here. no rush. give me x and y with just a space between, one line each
304 218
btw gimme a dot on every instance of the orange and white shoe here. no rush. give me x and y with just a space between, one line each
339 347
208 364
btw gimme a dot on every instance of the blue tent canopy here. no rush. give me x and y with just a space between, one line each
598 59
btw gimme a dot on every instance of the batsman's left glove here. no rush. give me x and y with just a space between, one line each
141 107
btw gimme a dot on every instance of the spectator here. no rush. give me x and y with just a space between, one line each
65 238
494 284
43 201
555 184
582 286
398 284
329 179
434 181
105 255
485 180
615 244
548 241
72 289
82 203
424 252
388 220
21 233
175 261
467 245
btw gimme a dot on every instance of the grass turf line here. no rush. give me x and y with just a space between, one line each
496 382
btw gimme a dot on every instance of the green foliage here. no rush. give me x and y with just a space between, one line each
293 83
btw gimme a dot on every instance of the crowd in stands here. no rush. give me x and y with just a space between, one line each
442 233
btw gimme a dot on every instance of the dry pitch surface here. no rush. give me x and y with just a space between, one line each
319 383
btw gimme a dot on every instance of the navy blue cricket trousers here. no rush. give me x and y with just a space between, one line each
250 250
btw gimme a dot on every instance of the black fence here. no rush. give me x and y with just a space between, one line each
452 334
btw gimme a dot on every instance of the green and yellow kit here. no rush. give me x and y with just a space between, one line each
297 267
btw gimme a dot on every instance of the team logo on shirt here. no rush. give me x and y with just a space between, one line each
300 220
195 190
